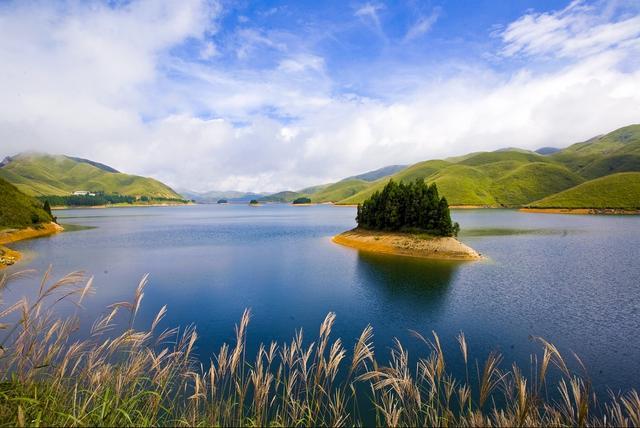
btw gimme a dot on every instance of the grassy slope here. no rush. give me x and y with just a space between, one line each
508 178
617 151
340 190
38 174
620 190
519 177
18 210
531 182
285 196
419 170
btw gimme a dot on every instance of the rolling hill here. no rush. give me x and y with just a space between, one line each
514 177
18 210
39 174
333 192
617 151
621 190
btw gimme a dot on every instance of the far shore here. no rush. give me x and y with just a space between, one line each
77 207
407 244
7 255
583 211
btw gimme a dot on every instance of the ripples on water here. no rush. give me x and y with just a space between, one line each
574 280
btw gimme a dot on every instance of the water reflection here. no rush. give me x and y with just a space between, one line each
416 283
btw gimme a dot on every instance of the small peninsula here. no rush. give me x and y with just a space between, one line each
407 220
21 217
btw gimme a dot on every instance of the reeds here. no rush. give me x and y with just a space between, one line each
125 376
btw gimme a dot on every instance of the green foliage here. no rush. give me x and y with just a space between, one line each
47 208
222 201
253 202
414 206
620 191
302 200
42 175
103 199
18 210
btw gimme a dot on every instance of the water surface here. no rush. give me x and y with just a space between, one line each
574 280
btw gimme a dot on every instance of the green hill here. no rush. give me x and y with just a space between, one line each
504 178
617 151
18 210
531 182
620 190
285 196
45 175
515 177
340 190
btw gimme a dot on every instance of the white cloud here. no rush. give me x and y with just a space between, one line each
103 83
579 30
422 26
369 11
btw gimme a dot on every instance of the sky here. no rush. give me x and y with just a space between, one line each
273 95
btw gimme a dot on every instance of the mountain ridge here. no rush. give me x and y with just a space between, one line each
39 174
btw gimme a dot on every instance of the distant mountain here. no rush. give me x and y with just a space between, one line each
40 174
547 150
18 210
378 173
332 192
284 196
213 196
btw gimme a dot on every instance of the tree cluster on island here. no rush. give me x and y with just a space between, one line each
253 202
301 200
410 207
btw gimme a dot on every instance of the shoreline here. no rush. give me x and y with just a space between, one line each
581 211
69 207
406 244
8 256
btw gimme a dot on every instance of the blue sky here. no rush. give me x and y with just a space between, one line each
266 96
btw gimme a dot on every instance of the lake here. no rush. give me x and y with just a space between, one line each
574 280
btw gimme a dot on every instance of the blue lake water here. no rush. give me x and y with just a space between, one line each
574 280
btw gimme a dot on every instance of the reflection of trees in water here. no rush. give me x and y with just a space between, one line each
417 283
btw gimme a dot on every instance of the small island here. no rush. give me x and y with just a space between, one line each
408 220
254 202
222 201
301 201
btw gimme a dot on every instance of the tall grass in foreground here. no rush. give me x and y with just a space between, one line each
150 377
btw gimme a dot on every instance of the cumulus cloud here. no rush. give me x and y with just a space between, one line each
111 83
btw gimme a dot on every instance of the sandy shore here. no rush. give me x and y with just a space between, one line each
596 211
9 256
405 244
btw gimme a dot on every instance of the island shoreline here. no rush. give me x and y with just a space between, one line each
407 245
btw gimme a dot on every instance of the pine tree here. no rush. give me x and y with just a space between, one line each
407 206
47 208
